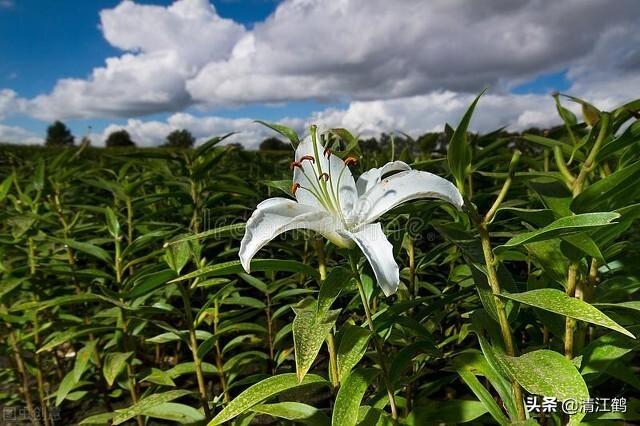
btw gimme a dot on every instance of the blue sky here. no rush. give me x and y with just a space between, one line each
42 41
313 60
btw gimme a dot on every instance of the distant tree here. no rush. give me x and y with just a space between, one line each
58 134
370 145
180 139
119 138
273 144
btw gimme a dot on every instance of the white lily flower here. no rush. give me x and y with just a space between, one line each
330 202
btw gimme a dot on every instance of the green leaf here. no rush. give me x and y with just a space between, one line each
98 419
147 403
114 364
600 353
90 249
486 364
210 144
235 230
345 410
148 283
294 412
177 255
459 151
56 301
5 186
112 223
65 336
207 345
331 287
179 413
66 385
566 148
629 137
260 391
353 346
564 226
373 416
38 176
483 395
285 131
453 412
309 332
82 359
234 267
557 301
159 377
548 373
608 193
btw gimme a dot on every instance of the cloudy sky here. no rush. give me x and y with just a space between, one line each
369 65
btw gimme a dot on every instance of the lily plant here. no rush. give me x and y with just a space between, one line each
328 200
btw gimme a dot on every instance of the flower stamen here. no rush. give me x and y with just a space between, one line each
350 161
294 187
295 164
327 152
307 157
324 176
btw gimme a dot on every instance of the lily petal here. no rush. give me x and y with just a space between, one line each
379 252
402 187
275 216
371 177
333 166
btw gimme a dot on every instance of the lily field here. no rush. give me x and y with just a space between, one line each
459 278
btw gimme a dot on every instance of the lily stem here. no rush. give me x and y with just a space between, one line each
193 344
376 339
570 322
505 329
492 276
572 274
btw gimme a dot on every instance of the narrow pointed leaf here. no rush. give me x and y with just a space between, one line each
353 346
147 404
345 411
558 302
114 364
564 226
309 332
548 373
260 391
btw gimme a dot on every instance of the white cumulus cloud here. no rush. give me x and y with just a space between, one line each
408 65
165 47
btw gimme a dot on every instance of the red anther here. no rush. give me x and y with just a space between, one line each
295 164
327 153
350 161
307 157
325 175
294 187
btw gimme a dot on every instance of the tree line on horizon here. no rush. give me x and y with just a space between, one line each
59 135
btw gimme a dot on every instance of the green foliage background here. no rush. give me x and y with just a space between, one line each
122 299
